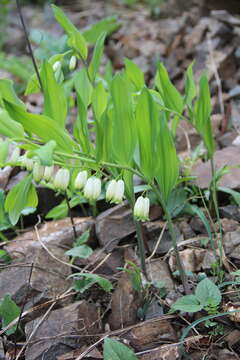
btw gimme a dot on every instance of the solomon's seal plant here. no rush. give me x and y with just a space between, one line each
134 129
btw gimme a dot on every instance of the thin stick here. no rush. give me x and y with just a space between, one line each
29 44
158 242
22 309
71 216
35 330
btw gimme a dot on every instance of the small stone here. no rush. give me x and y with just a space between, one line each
158 271
228 156
229 225
230 212
125 303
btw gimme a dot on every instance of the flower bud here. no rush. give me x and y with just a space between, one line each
56 66
92 189
62 179
80 180
115 191
141 208
27 163
48 171
38 171
72 63
15 155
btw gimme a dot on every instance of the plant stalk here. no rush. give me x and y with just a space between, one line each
141 247
71 216
29 44
215 203
174 241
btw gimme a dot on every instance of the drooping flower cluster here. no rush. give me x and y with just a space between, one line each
91 187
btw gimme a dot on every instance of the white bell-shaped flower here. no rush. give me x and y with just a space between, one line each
38 172
141 208
61 180
15 155
72 63
115 191
27 162
81 180
111 189
48 172
56 66
92 189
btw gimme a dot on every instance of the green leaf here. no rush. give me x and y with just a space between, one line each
195 210
9 127
176 201
99 100
202 112
42 126
97 55
207 291
170 95
190 88
82 239
134 74
82 251
4 220
147 119
19 197
83 87
235 194
114 350
188 303
167 163
55 104
4 145
45 153
93 278
76 39
9 311
107 25
7 92
123 136
58 212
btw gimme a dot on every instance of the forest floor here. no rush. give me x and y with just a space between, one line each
60 322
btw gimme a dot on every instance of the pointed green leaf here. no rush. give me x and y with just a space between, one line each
107 25
170 95
9 127
76 39
97 55
18 198
202 114
99 100
124 138
147 118
190 88
134 74
55 104
42 126
167 163
7 92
